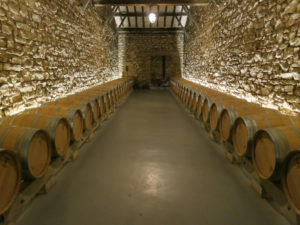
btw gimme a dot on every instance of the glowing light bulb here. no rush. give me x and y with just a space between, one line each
152 17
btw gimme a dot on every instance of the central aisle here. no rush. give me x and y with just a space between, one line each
151 164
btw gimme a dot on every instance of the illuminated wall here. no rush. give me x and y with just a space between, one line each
49 49
250 49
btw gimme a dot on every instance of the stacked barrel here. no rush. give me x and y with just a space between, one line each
269 139
31 140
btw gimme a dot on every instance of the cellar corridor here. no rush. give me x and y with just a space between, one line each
151 163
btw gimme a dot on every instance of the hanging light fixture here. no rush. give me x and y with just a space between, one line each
152 17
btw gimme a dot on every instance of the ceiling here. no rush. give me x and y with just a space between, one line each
132 15
137 16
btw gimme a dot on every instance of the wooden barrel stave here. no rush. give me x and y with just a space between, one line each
10 179
291 179
32 147
271 146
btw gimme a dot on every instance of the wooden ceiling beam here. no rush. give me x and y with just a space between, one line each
128 16
151 30
136 19
122 19
165 16
152 2
174 15
157 23
143 16
138 14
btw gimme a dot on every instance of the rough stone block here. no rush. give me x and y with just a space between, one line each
6 29
11 67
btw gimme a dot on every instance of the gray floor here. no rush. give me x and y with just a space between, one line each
151 164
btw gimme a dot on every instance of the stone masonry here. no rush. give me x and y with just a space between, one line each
250 49
136 50
49 49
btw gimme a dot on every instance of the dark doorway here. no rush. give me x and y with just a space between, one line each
158 70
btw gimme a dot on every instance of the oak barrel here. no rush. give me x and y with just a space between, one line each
198 111
193 101
105 102
10 179
245 127
57 127
220 99
84 98
100 98
84 107
189 98
32 147
194 105
291 179
271 146
217 107
74 117
229 115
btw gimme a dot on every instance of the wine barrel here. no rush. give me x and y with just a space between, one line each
229 115
83 98
271 146
74 117
215 98
198 111
115 95
100 98
193 100
31 145
57 127
186 95
10 179
111 100
85 108
291 179
204 95
217 107
195 103
104 96
190 98
182 92
245 127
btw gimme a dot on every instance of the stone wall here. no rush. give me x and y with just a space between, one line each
250 49
49 49
137 52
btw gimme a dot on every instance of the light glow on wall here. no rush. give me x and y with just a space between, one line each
265 102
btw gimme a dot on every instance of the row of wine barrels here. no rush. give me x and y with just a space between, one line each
10 178
271 140
36 135
245 127
229 115
85 108
103 99
74 117
57 127
93 101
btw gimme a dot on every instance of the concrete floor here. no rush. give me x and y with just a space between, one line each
151 164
